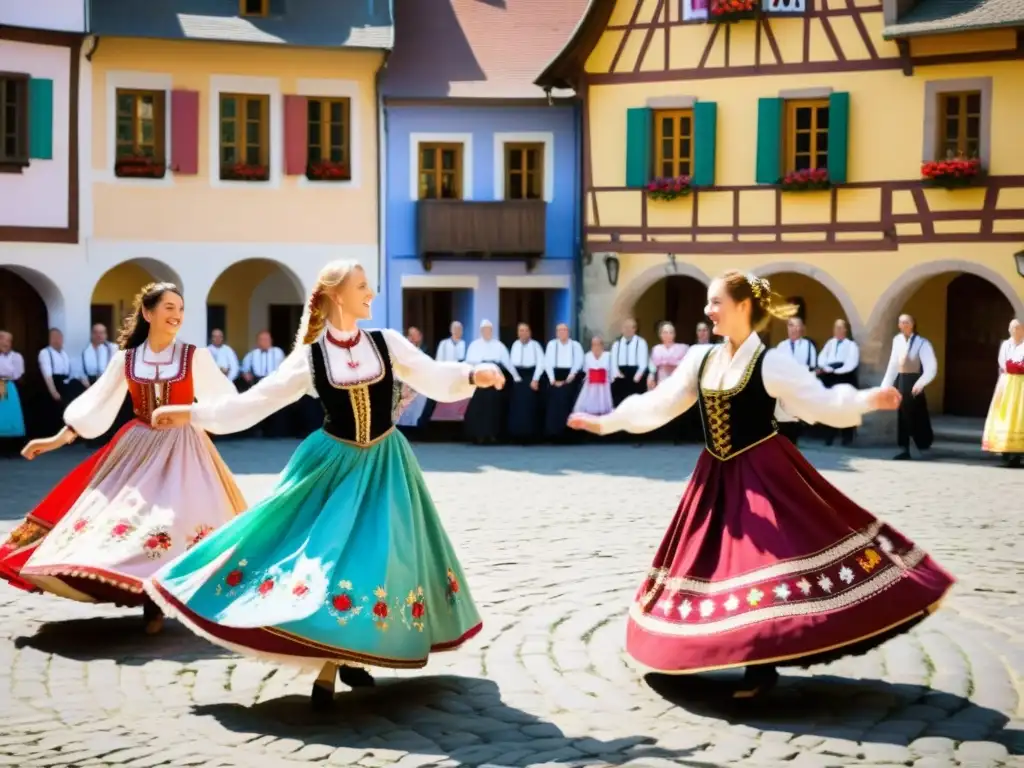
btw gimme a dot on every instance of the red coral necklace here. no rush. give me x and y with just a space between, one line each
347 345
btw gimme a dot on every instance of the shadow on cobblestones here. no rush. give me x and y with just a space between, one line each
438 718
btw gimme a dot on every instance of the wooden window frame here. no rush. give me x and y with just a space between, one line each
790 131
264 9
331 171
538 172
242 100
963 116
438 147
19 161
659 138
131 164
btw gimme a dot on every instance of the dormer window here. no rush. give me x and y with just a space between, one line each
254 7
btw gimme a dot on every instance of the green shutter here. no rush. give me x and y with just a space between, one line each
769 141
838 136
639 129
40 119
705 125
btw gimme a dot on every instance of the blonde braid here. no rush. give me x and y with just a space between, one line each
766 299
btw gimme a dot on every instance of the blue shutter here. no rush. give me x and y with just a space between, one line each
769 141
838 136
705 126
639 128
40 119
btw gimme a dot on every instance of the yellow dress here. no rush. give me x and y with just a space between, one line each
1004 427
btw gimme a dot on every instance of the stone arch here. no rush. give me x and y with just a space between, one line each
255 294
630 294
826 281
32 305
114 291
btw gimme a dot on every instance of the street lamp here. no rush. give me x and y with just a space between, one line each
1019 258
611 264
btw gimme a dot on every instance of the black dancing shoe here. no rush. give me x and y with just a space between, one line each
757 681
321 698
355 677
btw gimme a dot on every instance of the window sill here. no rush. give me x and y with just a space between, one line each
141 176
242 180
332 180
13 166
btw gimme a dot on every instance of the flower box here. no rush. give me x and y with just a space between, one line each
952 174
806 180
669 188
244 172
733 10
328 171
139 168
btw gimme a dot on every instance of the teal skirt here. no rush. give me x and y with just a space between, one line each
346 560
12 420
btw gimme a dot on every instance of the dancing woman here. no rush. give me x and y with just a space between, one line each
765 563
346 562
147 495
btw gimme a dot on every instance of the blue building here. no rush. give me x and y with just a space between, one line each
481 170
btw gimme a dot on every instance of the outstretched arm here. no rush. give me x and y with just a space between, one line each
92 412
801 393
445 382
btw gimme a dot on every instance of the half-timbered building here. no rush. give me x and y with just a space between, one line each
482 170
862 154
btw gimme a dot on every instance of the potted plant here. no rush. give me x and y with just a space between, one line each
326 170
244 172
806 180
957 172
139 167
733 10
669 188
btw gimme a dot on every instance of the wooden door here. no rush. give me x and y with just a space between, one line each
522 305
977 316
23 313
430 310
685 299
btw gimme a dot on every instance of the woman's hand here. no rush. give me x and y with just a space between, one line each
585 423
885 399
171 416
488 375
43 445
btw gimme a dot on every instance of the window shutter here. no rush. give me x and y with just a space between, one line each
769 141
40 119
296 111
638 146
705 126
838 136
185 132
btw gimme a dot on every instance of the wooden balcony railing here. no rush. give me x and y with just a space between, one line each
459 229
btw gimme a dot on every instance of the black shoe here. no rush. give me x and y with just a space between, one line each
757 681
355 677
321 698
903 456
1012 462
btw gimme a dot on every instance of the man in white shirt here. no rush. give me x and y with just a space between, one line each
837 364
62 384
488 408
527 370
452 349
257 365
97 355
802 350
630 361
912 367
223 355
563 361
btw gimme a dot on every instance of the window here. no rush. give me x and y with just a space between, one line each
440 171
806 135
328 139
959 125
673 143
524 171
254 7
13 121
244 137
140 134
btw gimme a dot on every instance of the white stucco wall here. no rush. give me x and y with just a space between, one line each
61 15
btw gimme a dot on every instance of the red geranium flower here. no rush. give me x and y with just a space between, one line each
342 603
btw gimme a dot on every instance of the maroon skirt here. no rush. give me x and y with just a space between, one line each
766 562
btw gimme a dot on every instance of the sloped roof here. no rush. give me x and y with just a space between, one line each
476 49
568 62
933 17
302 23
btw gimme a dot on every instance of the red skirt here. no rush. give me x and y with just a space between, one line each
766 562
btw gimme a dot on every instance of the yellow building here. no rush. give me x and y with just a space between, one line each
862 93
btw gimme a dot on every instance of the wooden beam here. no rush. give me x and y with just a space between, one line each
906 62
648 37
707 48
858 21
830 33
625 36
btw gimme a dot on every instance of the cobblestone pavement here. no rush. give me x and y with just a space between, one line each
553 541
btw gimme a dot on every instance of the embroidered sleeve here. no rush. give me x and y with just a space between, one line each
446 382
208 381
92 412
234 412
653 409
802 395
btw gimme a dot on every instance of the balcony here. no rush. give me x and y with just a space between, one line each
468 229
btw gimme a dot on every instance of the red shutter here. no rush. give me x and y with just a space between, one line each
295 112
185 132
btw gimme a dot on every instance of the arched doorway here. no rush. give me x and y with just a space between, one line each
677 299
113 296
24 314
818 307
252 296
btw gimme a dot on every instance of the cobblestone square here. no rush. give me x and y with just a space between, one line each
554 541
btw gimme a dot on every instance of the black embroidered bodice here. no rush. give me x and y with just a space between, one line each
738 418
360 412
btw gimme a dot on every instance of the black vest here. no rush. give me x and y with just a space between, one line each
356 413
739 418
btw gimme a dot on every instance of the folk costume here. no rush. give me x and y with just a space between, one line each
596 394
487 413
145 497
346 559
837 364
561 360
912 361
56 365
12 416
664 361
1004 426
95 359
261 363
630 359
450 350
803 351
526 404
765 562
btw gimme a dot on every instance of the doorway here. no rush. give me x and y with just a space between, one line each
283 324
432 310
533 306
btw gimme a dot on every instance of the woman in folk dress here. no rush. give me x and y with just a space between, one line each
346 562
147 495
596 394
1004 427
765 562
